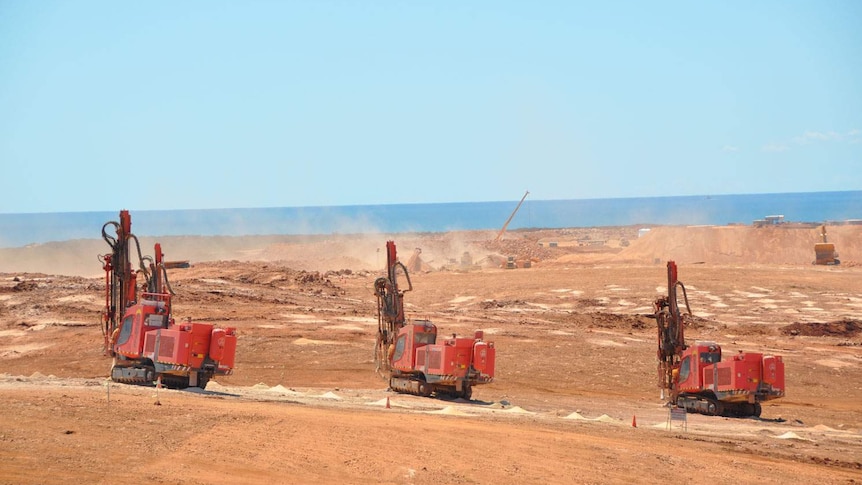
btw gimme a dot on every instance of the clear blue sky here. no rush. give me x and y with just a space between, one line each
228 104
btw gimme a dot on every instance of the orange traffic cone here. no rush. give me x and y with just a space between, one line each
634 421
387 402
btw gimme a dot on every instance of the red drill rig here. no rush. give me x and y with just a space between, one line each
697 379
409 352
140 332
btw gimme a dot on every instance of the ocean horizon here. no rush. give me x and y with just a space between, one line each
808 207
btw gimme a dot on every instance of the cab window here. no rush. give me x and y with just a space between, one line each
710 357
126 331
424 338
684 368
399 347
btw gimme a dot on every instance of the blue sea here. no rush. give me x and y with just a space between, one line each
23 229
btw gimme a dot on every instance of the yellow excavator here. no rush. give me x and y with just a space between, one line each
824 252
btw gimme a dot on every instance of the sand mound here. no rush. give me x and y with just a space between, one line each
604 418
330 395
790 435
823 427
449 410
279 389
214 386
517 410
575 415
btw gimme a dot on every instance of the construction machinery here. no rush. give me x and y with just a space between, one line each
696 377
512 216
415 263
407 352
140 333
824 251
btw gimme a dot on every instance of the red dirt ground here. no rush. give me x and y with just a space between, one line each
575 362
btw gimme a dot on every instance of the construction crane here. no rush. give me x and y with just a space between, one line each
503 230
